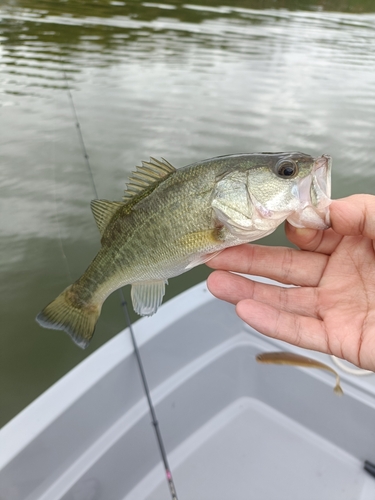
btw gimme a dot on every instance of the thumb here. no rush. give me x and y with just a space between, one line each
354 216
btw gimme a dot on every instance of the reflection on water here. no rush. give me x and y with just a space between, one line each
182 81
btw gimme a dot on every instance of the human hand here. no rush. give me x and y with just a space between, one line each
333 308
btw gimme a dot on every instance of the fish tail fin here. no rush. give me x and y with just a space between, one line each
71 315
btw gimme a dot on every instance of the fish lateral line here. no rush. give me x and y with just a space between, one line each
292 359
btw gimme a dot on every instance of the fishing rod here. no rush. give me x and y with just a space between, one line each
124 306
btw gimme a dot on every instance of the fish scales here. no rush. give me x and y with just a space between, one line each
172 220
150 225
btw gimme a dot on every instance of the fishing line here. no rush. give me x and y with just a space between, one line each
124 305
57 215
154 420
80 136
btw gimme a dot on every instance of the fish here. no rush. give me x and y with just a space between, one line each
171 220
291 359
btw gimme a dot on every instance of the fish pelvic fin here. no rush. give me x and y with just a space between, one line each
67 314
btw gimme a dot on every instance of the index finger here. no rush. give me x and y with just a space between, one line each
286 265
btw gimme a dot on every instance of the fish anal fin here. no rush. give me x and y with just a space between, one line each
149 173
147 296
103 212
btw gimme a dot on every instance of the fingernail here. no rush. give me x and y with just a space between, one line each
299 231
302 231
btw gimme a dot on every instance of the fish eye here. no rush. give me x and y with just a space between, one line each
286 169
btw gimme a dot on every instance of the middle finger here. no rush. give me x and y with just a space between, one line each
286 265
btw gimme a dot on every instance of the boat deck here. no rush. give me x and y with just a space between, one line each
232 428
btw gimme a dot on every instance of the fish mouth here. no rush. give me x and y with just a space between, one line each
322 175
314 192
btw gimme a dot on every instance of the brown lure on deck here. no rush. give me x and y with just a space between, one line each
291 359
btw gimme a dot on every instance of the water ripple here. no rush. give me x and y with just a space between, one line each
180 81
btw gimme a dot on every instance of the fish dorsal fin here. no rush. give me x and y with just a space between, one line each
103 212
150 172
147 296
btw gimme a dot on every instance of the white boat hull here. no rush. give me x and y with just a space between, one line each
232 428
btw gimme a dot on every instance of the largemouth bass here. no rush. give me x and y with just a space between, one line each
172 220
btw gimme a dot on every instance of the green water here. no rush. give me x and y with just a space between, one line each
178 80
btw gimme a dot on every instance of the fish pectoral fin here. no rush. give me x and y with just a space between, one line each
103 212
193 242
202 259
147 296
